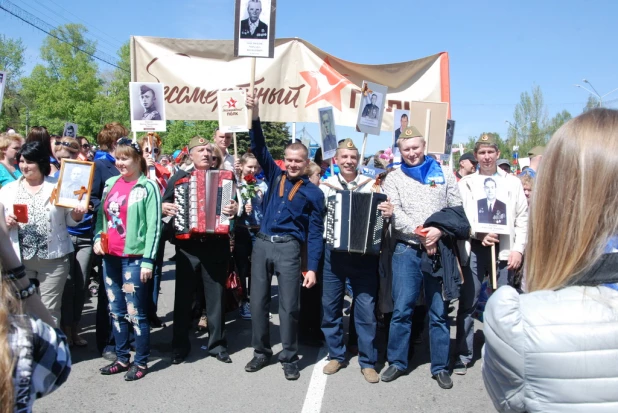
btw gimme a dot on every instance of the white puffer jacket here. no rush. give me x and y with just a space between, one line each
552 351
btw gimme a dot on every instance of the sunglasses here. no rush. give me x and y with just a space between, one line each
128 142
86 145
155 150
67 144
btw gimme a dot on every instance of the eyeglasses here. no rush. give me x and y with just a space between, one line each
154 150
128 142
86 145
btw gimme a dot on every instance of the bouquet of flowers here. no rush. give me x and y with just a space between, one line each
249 188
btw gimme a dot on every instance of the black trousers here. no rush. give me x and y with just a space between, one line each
193 260
282 260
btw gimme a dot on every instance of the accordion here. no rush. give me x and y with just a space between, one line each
354 223
200 198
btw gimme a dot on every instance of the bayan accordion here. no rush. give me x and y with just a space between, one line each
200 198
354 223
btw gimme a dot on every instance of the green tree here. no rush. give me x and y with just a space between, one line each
556 122
113 102
593 102
65 88
531 122
11 61
277 136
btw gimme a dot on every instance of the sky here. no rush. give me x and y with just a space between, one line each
497 50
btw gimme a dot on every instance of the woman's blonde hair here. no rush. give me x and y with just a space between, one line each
6 139
312 168
9 307
573 211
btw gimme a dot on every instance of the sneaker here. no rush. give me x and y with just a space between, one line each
245 311
371 375
135 373
114 368
460 368
333 367
202 325
290 371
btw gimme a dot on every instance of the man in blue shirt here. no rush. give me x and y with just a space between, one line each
293 215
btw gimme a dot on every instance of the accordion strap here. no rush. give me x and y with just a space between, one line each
343 189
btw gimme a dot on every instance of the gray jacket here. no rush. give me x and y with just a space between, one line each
553 351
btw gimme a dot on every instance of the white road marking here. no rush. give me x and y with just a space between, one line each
317 384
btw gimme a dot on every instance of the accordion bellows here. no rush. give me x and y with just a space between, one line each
354 223
200 198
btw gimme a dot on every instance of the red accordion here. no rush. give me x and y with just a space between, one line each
200 198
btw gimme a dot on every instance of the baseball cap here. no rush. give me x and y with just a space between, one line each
468 156
503 162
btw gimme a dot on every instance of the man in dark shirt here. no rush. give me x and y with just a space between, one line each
293 215
253 27
206 256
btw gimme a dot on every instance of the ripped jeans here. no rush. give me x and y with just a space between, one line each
128 301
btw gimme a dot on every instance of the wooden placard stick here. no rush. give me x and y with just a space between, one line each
494 282
251 92
361 159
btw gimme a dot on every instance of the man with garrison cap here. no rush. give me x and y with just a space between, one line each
476 256
362 270
536 155
205 256
148 100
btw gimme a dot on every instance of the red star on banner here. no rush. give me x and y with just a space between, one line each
326 84
231 103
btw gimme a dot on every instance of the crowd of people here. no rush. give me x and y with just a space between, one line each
550 324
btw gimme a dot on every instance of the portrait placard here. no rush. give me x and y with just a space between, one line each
327 130
70 130
400 122
233 114
492 204
74 183
430 119
254 28
371 108
147 107
2 86
450 133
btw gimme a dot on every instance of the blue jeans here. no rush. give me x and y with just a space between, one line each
362 271
128 302
407 282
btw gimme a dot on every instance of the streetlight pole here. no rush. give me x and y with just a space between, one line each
594 91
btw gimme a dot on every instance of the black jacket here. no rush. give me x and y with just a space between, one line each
444 264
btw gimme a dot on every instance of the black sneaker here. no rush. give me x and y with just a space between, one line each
460 368
113 368
290 370
135 373
444 380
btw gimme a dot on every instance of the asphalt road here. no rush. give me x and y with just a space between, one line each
204 384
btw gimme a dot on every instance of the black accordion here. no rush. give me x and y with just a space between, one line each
354 223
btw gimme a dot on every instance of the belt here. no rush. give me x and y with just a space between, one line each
413 245
275 239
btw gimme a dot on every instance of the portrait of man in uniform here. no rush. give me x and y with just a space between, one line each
70 130
148 100
490 209
371 109
403 124
328 136
253 27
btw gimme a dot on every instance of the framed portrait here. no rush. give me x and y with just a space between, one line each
147 107
450 133
492 204
327 130
2 86
233 114
371 109
70 130
430 119
74 183
254 28
400 122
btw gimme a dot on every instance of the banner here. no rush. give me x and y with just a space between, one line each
290 87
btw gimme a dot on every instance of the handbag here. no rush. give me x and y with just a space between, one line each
233 289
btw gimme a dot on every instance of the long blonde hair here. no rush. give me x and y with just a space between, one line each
573 211
9 306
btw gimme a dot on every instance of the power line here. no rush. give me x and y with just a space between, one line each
34 21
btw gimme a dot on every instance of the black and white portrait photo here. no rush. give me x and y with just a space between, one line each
327 129
371 108
492 203
254 28
147 107
70 130
75 183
